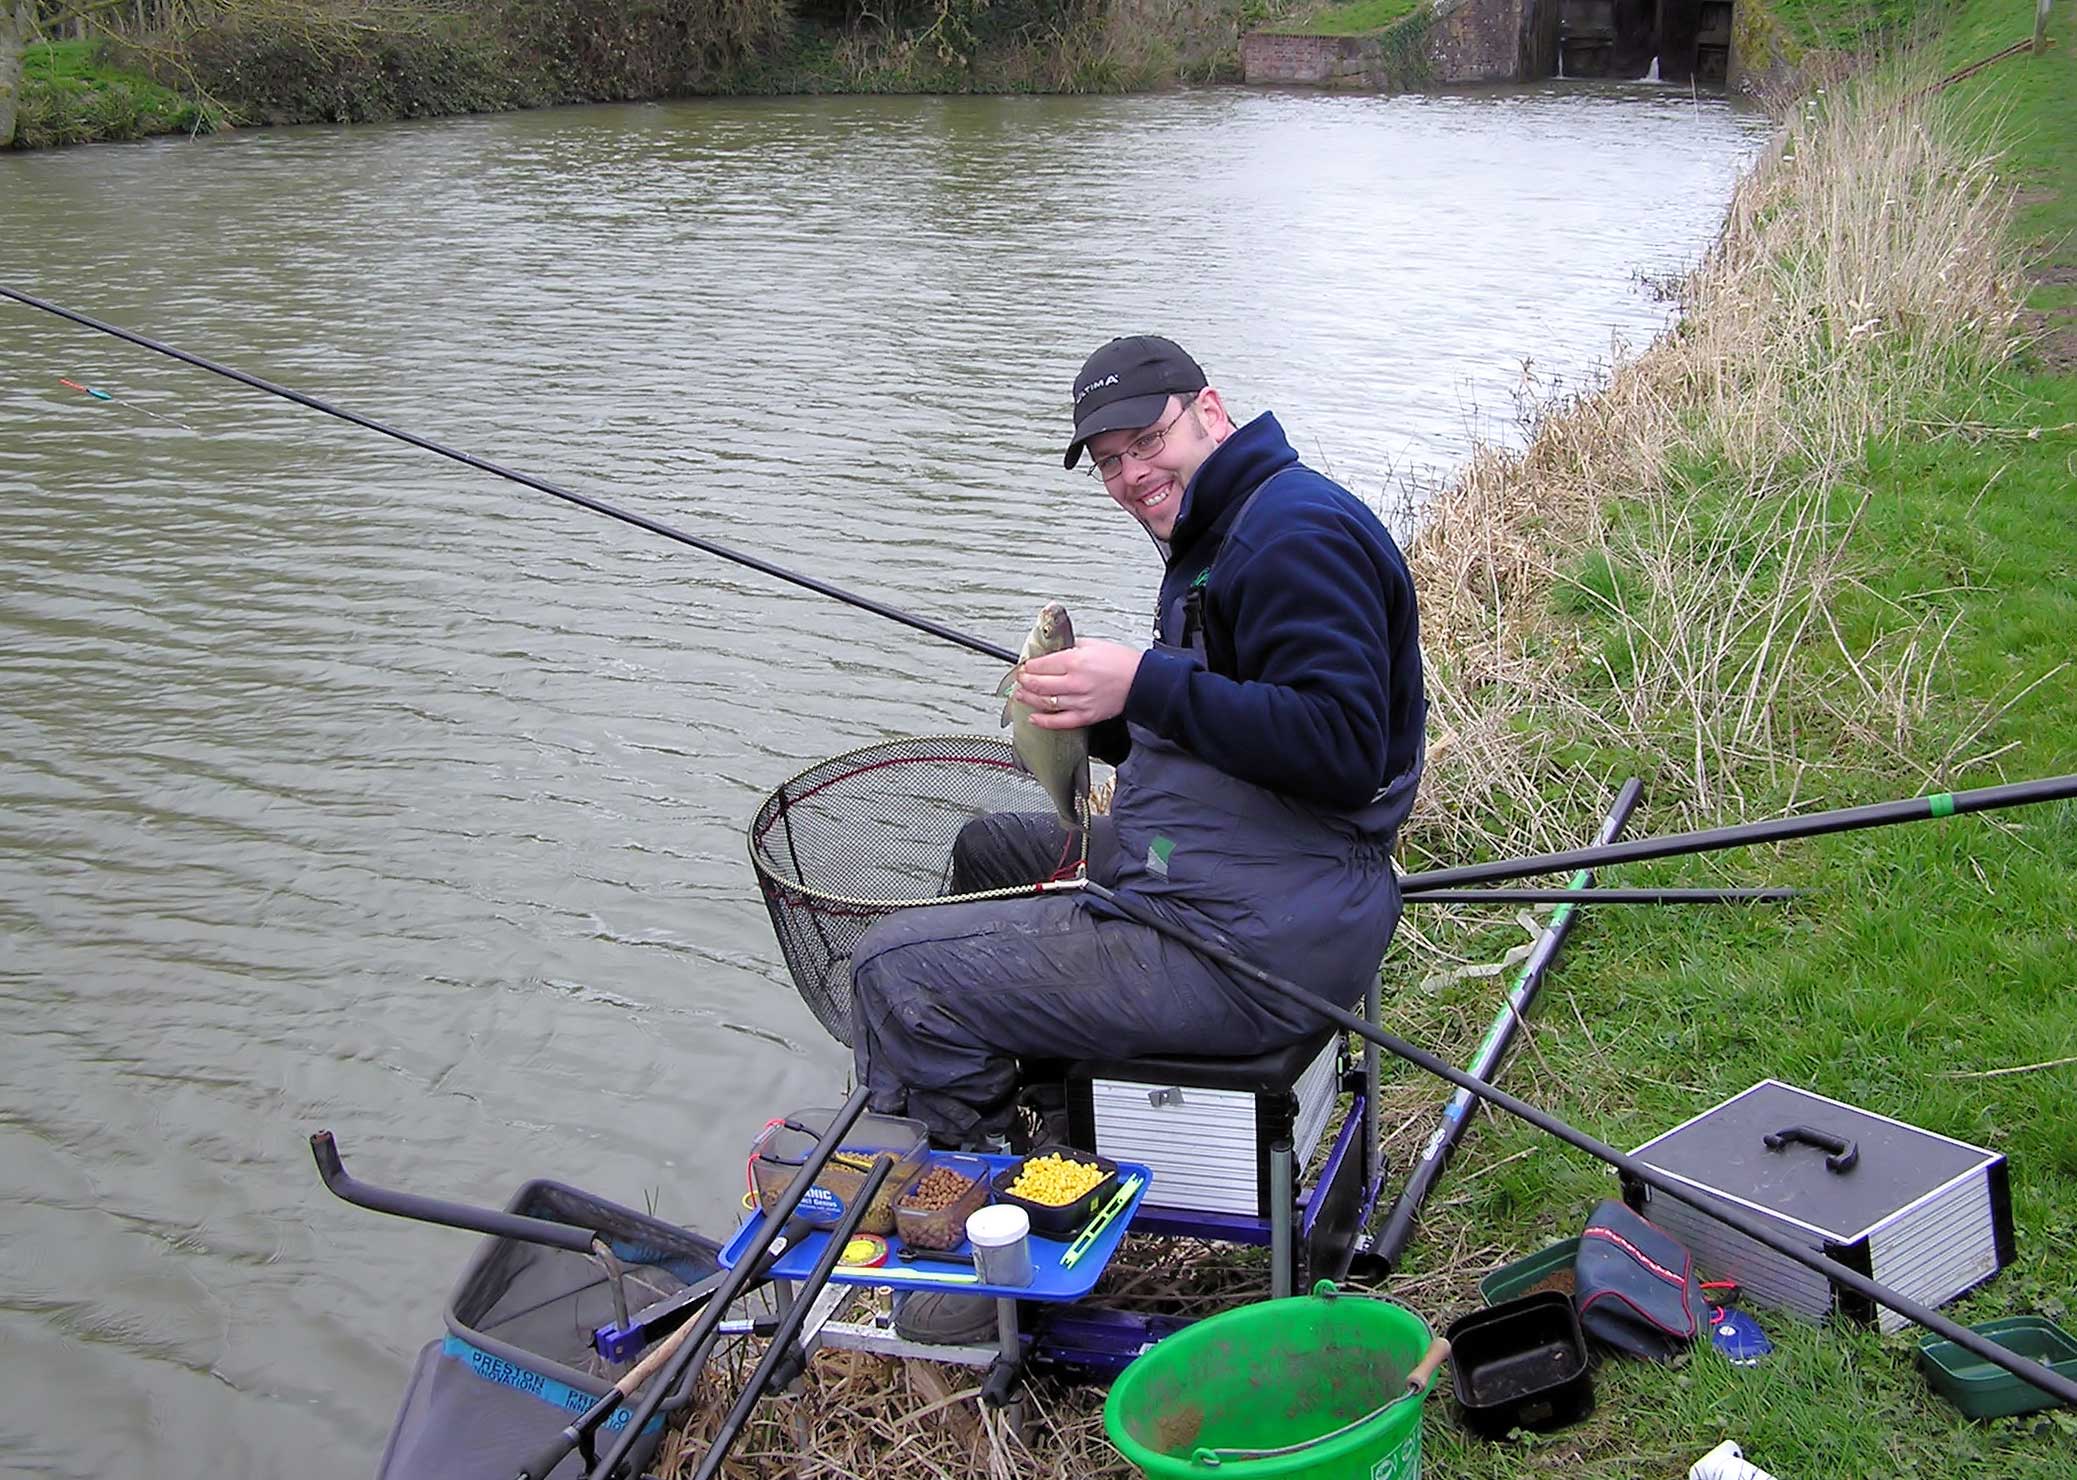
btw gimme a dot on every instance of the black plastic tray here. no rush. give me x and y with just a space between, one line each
1065 1219
1521 1364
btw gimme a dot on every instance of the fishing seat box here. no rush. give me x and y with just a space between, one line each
1926 1215
1206 1126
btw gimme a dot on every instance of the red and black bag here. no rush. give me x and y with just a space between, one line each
1636 1288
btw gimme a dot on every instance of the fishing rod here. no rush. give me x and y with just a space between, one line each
1485 1064
693 1353
1568 896
2028 1370
527 480
1750 834
1940 805
780 1352
694 1341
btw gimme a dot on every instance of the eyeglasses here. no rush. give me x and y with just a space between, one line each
1142 447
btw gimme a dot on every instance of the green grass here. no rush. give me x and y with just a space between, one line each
1850 24
71 94
1926 958
2033 102
1360 18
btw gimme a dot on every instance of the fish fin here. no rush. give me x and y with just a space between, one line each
1006 715
1009 683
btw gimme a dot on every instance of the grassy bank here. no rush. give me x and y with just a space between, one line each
350 61
1815 548
1356 18
72 94
1831 558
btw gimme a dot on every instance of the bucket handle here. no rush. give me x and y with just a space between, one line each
1416 1383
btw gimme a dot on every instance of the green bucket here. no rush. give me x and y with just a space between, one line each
1325 1385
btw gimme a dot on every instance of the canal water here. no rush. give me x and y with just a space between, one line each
343 787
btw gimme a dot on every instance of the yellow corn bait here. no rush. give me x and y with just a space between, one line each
1054 1181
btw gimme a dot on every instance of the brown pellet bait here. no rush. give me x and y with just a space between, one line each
940 1188
932 1213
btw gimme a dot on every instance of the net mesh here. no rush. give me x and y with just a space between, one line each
537 1306
869 832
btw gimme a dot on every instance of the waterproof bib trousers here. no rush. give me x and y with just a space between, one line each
946 999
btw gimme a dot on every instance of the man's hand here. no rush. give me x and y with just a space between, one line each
1085 685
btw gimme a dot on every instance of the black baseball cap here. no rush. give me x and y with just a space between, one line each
1126 385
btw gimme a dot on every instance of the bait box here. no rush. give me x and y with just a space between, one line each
1981 1390
1206 1126
1926 1215
1521 1364
1063 1219
941 1229
777 1154
1510 1281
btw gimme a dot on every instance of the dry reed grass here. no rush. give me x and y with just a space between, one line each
1861 268
855 1416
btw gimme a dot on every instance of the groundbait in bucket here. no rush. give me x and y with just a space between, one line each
1325 1386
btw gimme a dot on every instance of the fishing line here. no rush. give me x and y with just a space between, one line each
114 400
541 485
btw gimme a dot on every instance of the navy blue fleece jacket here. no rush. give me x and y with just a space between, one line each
1314 686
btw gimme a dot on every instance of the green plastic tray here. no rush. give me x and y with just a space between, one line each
1511 1280
1981 1390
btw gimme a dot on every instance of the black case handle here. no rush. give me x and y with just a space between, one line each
1843 1155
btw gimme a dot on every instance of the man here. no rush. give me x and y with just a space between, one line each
1270 742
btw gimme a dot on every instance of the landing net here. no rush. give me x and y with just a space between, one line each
864 834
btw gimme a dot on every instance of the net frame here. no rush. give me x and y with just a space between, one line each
837 848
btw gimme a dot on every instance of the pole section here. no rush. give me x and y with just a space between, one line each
528 480
1571 896
1749 834
1456 1115
1839 1274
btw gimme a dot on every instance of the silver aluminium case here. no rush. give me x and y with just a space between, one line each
1931 1218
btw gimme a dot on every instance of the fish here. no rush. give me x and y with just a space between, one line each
1057 759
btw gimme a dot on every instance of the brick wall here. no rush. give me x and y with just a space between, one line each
1267 57
1483 40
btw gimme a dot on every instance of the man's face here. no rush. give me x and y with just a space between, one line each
1155 464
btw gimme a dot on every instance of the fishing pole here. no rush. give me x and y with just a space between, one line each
1769 895
1750 834
527 480
1485 1064
780 1351
699 1337
2045 1378
1944 804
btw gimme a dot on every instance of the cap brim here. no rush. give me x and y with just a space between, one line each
1116 416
